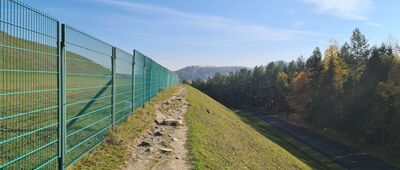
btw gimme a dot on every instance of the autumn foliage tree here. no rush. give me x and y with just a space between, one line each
298 96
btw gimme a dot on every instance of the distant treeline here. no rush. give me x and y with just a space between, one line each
354 88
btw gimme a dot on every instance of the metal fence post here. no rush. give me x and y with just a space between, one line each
113 88
144 80
150 82
156 77
61 85
133 81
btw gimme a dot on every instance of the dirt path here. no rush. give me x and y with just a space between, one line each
164 145
343 155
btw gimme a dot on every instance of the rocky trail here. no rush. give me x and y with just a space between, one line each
164 145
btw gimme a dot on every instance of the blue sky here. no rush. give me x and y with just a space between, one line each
178 33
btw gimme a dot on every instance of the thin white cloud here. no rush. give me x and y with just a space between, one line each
374 24
356 10
228 28
346 9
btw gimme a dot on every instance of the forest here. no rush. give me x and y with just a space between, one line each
352 88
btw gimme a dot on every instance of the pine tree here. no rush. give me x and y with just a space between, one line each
314 66
345 54
359 52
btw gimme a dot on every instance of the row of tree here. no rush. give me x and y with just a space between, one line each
353 88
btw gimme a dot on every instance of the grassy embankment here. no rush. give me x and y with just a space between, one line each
219 139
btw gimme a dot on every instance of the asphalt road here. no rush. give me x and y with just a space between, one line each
344 155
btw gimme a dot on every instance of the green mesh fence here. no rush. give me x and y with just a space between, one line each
124 85
28 87
139 79
62 90
147 76
88 92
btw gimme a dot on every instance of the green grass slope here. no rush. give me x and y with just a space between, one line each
218 139
21 54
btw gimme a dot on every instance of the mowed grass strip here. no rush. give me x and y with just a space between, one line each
219 139
115 151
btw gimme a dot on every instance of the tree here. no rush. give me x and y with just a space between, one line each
300 64
258 72
359 47
393 44
361 104
257 90
325 105
387 118
314 62
281 88
314 66
297 97
314 70
345 54
359 52
291 70
333 63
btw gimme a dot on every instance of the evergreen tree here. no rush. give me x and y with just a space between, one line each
300 64
314 66
359 52
345 54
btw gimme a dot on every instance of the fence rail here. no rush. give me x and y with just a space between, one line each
62 90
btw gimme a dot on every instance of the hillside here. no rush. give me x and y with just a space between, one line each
76 63
219 139
204 72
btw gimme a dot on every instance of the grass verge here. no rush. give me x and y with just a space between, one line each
219 139
116 149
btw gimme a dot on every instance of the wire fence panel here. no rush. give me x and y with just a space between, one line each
124 81
152 78
159 73
28 87
139 79
148 66
62 90
88 92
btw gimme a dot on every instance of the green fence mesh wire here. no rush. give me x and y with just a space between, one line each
62 90
124 85
88 92
28 87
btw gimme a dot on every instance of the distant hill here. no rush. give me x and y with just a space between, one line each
203 72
